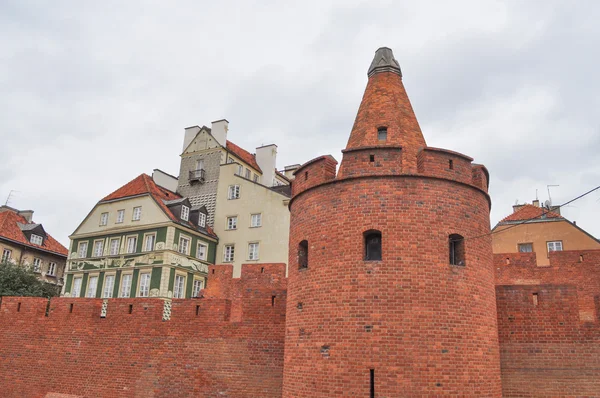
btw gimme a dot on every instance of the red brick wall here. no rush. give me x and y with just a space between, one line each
201 351
552 348
427 328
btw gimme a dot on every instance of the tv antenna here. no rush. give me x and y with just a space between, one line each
9 195
549 201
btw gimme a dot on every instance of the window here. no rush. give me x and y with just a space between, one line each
144 285
198 285
234 192
137 213
114 246
555 246
51 269
200 164
240 169
6 255
303 254
76 290
457 249
82 250
525 247
255 177
450 164
103 219
125 286
372 245
230 160
98 248
149 242
229 253
201 252
253 251
92 285
184 245
185 213
109 285
382 133
131 244
36 239
120 216
232 222
178 288
202 220
255 220
37 264
248 173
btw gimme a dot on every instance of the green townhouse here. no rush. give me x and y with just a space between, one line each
143 240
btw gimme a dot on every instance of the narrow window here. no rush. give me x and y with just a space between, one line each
273 301
19 307
184 245
114 246
76 290
103 219
535 299
372 382
253 251
144 289
82 252
109 284
6 255
130 308
197 310
120 216
71 308
178 287
137 213
92 286
125 286
197 287
229 254
303 254
372 240
371 158
457 250
131 244
51 269
150 241
98 248
262 270
37 265
185 213
201 251
306 175
451 164
248 174
382 133
202 220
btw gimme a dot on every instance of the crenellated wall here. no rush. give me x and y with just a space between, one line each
227 344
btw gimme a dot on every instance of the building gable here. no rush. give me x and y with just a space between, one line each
202 141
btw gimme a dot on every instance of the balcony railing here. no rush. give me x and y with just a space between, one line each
197 175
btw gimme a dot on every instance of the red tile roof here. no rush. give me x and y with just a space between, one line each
9 229
529 212
145 185
243 154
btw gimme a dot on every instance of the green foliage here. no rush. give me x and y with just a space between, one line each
17 280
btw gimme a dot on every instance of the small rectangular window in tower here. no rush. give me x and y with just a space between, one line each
382 133
371 158
451 164
535 299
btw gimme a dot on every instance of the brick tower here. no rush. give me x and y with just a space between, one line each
385 298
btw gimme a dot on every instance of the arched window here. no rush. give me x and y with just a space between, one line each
372 245
456 249
303 254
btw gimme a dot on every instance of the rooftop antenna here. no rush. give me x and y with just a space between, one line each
9 195
550 197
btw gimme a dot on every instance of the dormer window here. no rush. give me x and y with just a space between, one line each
36 239
185 213
202 220
382 133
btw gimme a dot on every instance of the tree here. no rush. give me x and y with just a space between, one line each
17 280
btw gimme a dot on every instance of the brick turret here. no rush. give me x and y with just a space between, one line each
385 297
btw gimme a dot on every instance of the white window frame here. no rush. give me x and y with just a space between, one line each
137 213
110 246
103 219
92 289
76 288
202 220
519 245
95 252
127 247
231 223
146 240
240 170
199 164
106 291
179 290
197 286
554 245
229 253
36 239
37 264
255 220
51 269
233 192
6 255
205 251
253 250
185 213
120 216
183 237
125 288
248 173
79 249
144 284
256 176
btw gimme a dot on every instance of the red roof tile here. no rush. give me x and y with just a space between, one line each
529 212
9 229
243 154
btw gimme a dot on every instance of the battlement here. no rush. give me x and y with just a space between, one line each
314 172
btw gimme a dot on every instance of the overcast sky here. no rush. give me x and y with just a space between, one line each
94 93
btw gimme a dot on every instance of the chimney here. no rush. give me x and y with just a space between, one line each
536 203
190 133
516 208
266 157
26 214
219 131
289 171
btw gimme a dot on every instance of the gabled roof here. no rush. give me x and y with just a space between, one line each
280 174
531 212
10 229
145 185
243 155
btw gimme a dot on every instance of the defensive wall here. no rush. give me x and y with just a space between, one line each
548 324
227 344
